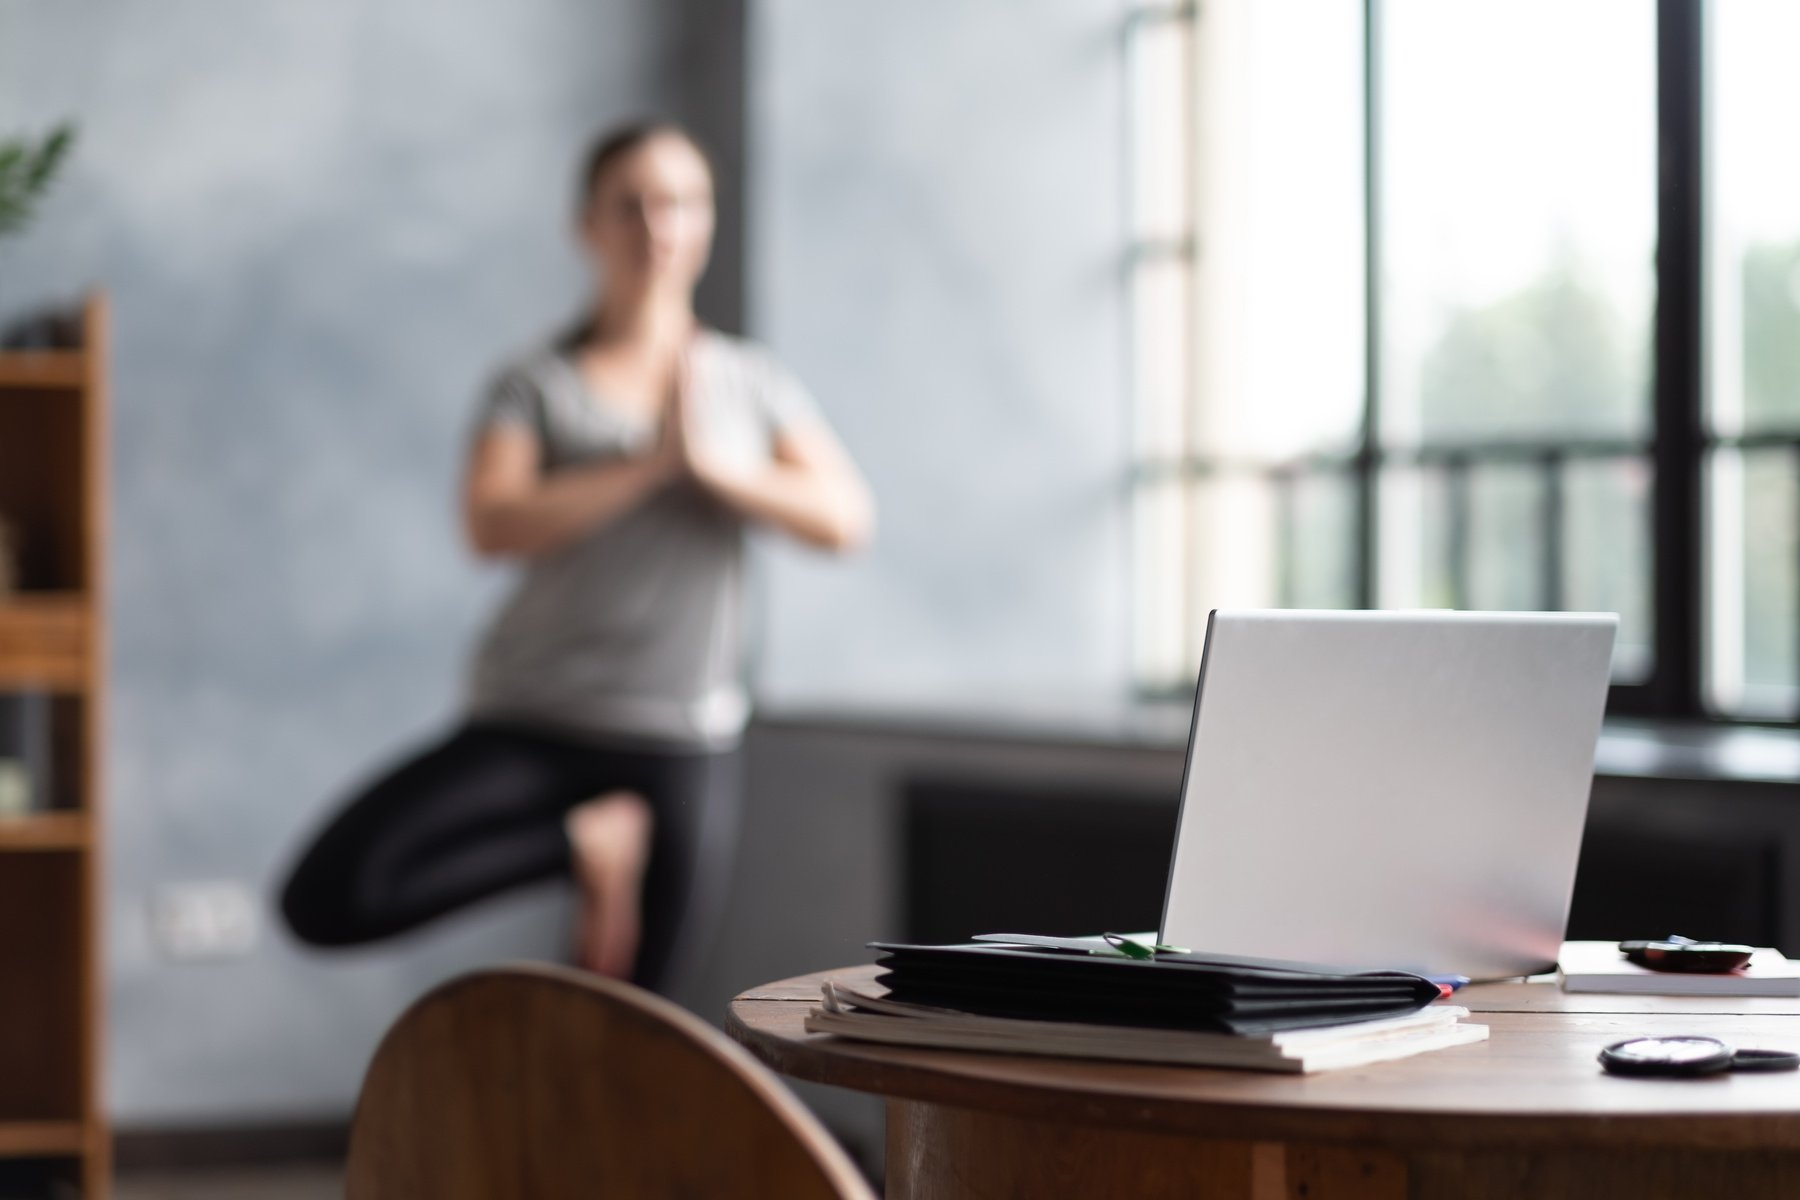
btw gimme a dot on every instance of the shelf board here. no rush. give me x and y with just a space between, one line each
32 1139
42 369
44 831
44 640
34 604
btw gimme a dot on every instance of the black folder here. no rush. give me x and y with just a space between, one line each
1185 990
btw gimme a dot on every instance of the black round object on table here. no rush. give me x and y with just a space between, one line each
1667 1056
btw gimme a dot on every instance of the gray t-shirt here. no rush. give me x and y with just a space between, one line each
634 631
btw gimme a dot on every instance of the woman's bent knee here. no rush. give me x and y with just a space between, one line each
319 908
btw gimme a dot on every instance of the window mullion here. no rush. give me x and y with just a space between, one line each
1680 355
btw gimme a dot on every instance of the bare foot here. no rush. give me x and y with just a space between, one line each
611 838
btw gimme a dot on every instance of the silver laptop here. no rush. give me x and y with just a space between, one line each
1388 789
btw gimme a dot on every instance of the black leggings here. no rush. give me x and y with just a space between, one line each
483 811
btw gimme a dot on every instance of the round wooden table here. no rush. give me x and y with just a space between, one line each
1527 1113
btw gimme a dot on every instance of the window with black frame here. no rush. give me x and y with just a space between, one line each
1397 331
1752 403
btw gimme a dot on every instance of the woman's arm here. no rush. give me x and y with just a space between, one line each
510 510
810 489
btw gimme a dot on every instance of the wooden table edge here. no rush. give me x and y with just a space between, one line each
875 1070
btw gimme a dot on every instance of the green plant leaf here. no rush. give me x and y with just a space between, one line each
50 156
26 174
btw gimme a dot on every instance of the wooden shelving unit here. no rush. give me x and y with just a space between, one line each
53 435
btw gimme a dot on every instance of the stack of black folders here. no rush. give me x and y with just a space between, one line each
1114 997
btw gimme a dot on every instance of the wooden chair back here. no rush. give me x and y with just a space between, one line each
540 1083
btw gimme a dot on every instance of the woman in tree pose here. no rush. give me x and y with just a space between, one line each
619 465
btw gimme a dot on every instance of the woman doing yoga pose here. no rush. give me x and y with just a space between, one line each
619 465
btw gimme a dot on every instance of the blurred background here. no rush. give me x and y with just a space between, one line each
1127 312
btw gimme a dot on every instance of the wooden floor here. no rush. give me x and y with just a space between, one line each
241 1183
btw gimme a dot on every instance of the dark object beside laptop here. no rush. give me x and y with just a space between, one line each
1200 992
1687 956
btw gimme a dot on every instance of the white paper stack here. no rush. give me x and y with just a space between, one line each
848 1012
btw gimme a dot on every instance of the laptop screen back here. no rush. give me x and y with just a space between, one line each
1388 789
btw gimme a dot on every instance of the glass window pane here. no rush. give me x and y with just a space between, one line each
1769 504
1753 603
1161 304
1519 218
1606 559
1159 648
1272 539
1752 580
1415 539
1753 323
1162 130
1316 523
1279 215
1505 553
1235 530
1480 543
1755 213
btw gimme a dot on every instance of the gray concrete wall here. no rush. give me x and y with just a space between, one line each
321 224
937 246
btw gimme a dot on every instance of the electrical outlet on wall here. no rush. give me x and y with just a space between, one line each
204 920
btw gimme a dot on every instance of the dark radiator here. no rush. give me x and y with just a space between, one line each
986 857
